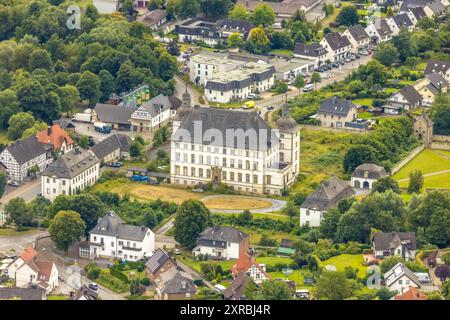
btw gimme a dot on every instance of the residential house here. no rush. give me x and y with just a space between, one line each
154 113
111 237
115 115
429 86
410 293
236 290
358 37
56 138
72 172
314 52
388 244
29 270
366 174
155 18
423 128
338 46
21 156
265 164
114 148
65 124
397 22
247 264
379 31
415 14
84 293
230 26
220 242
435 9
22 294
407 98
335 113
400 277
443 67
325 197
174 284
158 263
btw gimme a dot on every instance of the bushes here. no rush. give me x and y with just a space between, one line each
145 281
267 242
92 271
119 275
260 223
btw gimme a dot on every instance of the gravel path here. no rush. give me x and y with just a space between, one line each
277 205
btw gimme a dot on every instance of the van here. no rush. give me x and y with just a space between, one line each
308 87
219 288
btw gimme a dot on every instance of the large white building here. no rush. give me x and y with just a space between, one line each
234 147
73 172
338 46
358 38
112 238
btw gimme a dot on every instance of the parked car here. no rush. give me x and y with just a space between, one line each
153 182
357 56
320 69
14 183
364 53
93 286
116 164
219 288
352 57
308 87
177 251
326 76
347 60
270 108
341 62
335 65
252 96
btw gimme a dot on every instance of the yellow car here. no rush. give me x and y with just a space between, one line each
249 105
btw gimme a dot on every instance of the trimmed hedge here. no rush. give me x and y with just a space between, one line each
119 275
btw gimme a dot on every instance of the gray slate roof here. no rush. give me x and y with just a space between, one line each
335 106
337 41
436 6
358 32
383 28
113 114
402 20
397 272
328 194
235 291
71 164
390 240
222 233
241 26
157 260
64 123
437 82
374 171
22 293
27 149
223 120
161 103
418 12
179 284
111 144
309 50
436 66
411 94
239 84
112 225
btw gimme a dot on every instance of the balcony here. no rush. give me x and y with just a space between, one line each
131 249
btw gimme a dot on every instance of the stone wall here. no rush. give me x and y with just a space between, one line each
412 154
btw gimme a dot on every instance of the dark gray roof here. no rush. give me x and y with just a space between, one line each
199 27
383 28
409 4
111 144
179 284
157 260
222 233
411 94
436 66
71 164
113 114
402 20
111 225
358 32
239 84
161 103
390 240
373 171
418 12
64 123
236 290
154 16
241 26
328 194
224 120
84 292
309 50
22 293
335 106
437 82
27 149
436 6
404 271
337 41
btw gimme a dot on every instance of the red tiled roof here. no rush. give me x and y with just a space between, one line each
54 136
45 270
244 263
412 294
28 254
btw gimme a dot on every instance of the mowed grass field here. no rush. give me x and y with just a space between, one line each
347 260
236 203
428 161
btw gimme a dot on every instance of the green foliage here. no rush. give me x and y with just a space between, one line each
239 12
191 219
281 87
268 290
440 115
332 286
263 15
257 41
348 16
415 181
66 228
92 271
387 54
18 212
386 183
267 242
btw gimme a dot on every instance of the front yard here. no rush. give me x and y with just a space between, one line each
347 260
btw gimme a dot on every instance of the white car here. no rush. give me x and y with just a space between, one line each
219 288
364 53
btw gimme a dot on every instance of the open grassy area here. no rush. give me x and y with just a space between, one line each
14 233
439 181
57 298
347 260
427 161
298 276
114 284
282 52
363 102
276 216
236 203
256 234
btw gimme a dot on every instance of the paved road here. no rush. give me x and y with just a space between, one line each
27 190
14 245
165 227
180 87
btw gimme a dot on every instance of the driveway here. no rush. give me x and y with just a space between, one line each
28 190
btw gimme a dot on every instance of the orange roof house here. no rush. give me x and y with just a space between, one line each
56 137
411 294
247 264
28 254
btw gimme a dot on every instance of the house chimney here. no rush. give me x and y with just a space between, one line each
49 130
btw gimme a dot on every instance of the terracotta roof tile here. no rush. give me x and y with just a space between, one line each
54 136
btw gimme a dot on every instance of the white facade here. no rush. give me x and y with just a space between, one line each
53 186
335 55
257 273
116 247
142 120
311 217
398 278
408 255
393 26
231 251
373 32
18 171
357 45
362 183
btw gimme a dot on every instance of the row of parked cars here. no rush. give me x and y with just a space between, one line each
339 63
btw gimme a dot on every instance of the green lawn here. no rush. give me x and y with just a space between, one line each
363 102
297 276
282 52
440 181
427 161
365 115
280 217
345 260
14 233
114 284
57 298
